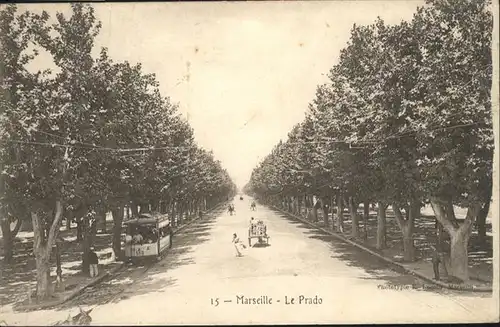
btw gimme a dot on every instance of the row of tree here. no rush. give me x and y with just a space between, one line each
404 120
89 137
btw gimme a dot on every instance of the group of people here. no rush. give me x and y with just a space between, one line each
142 237
254 225
238 245
257 226
231 209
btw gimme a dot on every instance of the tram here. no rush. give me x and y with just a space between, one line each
147 237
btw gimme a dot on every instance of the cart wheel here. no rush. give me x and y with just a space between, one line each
249 242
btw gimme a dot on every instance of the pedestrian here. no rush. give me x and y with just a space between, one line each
252 222
237 245
94 263
438 257
128 239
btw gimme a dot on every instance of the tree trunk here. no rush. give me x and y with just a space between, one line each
154 206
101 219
353 210
295 204
180 212
408 245
439 236
89 232
406 226
172 209
43 282
324 206
340 214
7 240
144 208
117 214
9 237
332 210
483 214
366 214
459 234
381 226
459 255
314 212
42 247
28 224
69 217
299 206
134 209
306 206
79 229
481 222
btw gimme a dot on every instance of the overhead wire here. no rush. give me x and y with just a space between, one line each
82 145
461 86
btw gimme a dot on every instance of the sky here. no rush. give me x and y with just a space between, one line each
242 73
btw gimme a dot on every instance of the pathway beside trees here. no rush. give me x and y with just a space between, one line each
404 121
480 261
86 137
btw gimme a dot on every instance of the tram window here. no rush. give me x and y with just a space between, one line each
136 233
150 234
142 234
164 231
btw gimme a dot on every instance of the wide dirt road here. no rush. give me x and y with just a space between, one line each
299 262
202 270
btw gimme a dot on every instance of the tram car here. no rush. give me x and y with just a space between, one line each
147 237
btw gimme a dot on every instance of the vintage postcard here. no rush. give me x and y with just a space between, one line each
267 162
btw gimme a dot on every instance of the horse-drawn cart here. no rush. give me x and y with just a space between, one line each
258 231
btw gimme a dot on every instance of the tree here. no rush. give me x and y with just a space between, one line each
16 35
456 141
93 136
406 118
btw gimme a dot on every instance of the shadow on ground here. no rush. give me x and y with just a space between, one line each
20 274
377 268
149 277
260 245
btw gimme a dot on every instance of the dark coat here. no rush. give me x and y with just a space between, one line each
93 259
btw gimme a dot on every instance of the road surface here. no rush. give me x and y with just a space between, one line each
308 277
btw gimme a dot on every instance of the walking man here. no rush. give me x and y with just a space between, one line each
237 245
